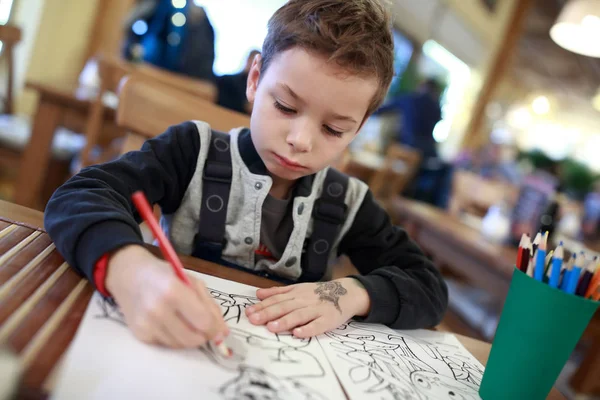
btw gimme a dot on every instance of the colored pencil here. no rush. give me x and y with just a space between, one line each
586 278
575 274
522 253
530 265
594 284
536 241
567 272
538 272
143 206
557 260
547 263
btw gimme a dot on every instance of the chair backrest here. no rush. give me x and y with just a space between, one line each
197 87
147 108
400 166
9 36
111 71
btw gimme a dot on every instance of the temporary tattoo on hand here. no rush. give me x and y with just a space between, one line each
331 291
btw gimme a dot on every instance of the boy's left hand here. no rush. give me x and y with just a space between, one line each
309 309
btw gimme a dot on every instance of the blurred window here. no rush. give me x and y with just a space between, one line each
240 26
5 8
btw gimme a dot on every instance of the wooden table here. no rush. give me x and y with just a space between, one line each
465 252
57 106
63 302
461 247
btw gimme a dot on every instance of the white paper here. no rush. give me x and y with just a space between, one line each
105 360
376 362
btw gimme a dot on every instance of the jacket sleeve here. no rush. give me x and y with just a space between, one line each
406 290
92 213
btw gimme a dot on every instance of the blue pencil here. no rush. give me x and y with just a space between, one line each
574 275
557 261
566 273
538 272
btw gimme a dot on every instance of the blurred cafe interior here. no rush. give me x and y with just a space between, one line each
491 127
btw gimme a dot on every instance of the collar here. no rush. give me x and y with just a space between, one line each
256 165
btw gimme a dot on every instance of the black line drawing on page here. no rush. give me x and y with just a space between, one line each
286 363
281 349
399 366
233 305
110 311
257 384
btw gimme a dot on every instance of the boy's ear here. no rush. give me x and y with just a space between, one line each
253 78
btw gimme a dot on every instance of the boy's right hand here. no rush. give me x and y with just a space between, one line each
158 307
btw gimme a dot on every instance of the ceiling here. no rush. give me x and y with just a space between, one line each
545 68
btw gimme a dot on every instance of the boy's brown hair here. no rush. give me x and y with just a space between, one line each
355 34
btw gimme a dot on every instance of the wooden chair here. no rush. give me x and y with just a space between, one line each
111 71
400 166
197 87
15 130
9 35
147 108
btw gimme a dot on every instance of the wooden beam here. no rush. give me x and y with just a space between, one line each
500 64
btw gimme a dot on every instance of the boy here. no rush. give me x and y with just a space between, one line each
261 199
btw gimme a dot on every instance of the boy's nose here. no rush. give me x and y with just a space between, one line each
300 140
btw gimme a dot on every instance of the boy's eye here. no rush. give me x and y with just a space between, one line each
332 131
283 108
287 110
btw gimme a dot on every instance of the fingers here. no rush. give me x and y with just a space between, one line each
278 298
165 338
151 329
193 310
184 335
221 330
313 328
168 327
295 318
274 311
264 293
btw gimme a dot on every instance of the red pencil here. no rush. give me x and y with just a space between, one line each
523 253
145 210
143 206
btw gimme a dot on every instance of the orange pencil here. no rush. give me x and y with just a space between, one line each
594 287
143 206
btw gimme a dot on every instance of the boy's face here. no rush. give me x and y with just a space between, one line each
306 112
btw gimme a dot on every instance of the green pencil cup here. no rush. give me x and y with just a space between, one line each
538 329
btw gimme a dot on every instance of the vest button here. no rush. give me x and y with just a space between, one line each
300 208
258 186
248 240
290 262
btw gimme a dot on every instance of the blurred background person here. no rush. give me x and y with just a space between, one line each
178 40
420 112
232 88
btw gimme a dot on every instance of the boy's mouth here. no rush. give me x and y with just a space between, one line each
287 163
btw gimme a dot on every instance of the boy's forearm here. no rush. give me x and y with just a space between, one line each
405 288
405 300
